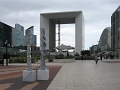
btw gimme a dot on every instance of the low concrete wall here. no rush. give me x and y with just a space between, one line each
64 60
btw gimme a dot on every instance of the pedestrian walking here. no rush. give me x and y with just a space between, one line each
96 58
101 57
82 57
117 56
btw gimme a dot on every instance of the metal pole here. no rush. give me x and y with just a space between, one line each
58 33
6 55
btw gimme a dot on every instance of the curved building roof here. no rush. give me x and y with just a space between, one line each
105 39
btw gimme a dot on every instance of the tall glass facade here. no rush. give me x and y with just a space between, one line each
30 29
105 40
19 35
5 34
34 40
34 37
115 33
14 40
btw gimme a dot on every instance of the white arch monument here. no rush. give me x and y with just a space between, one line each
49 20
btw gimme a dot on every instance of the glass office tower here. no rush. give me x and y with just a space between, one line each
19 35
115 32
5 34
34 37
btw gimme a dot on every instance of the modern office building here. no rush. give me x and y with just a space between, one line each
48 22
34 40
35 51
11 51
5 34
93 49
19 35
14 37
34 37
104 44
30 29
115 32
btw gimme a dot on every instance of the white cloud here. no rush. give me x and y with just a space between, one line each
97 15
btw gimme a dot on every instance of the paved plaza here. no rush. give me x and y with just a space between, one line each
80 75
86 75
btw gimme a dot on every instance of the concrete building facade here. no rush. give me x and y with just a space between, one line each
94 49
48 21
115 32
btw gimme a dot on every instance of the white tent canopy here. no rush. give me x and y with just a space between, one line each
64 47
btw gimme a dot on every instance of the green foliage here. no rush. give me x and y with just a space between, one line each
76 54
17 60
85 52
61 56
71 56
33 59
51 58
68 57
22 59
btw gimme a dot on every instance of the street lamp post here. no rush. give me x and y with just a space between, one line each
6 43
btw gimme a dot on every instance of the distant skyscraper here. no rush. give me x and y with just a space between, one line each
19 35
29 29
34 40
14 39
34 37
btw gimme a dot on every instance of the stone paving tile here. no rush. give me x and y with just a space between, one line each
5 86
11 79
51 89
80 75
86 75
29 86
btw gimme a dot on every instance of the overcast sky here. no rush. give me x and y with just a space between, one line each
97 15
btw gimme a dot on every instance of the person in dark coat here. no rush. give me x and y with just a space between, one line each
82 57
101 57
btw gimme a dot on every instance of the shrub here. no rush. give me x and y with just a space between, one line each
22 59
61 56
51 59
71 56
66 57
33 59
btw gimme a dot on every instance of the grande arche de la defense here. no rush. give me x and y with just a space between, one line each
48 22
